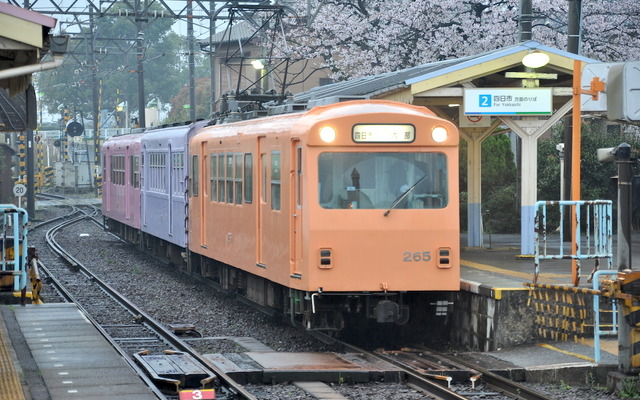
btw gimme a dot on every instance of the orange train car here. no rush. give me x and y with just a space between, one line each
343 209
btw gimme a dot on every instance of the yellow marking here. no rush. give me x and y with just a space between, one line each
10 384
548 346
609 345
515 274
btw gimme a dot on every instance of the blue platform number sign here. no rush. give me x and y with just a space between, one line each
197 394
485 100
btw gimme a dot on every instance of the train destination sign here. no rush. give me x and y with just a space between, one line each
384 133
512 101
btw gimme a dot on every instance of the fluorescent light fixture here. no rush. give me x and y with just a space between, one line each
535 59
257 64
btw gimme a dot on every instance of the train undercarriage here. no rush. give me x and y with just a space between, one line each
314 310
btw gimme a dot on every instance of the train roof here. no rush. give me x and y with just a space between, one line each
122 140
178 132
284 122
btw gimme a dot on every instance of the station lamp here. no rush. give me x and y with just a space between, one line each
258 64
535 59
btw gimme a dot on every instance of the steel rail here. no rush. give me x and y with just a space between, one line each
498 382
413 379
143 317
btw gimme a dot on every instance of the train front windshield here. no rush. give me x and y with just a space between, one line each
382 180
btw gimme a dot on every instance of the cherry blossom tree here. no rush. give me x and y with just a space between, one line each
364 37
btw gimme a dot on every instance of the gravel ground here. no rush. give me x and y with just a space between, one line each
174 298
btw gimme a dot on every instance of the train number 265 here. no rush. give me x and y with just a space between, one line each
416 256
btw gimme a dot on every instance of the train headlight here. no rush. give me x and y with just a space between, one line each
439 134
327 134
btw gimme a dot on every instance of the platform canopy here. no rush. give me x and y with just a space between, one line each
24 34
24 40
441 87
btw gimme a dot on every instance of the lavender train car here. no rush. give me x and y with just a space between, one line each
121 185
164 189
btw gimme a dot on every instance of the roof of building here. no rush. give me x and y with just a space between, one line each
378 85
27 15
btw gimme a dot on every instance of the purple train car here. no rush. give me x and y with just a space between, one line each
121 160
164 189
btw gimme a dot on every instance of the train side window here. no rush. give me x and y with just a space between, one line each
135 171
178 173
299 177
117 169
221 183
229 178
275 180
248 178
238 178
194 176
263 189
214 177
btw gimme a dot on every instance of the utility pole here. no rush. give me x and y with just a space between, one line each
526 18
94 94
212 62
192 63
573 46
140 53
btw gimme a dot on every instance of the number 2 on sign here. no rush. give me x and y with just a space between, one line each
197 394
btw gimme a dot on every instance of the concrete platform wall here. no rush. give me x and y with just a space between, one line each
489 319
485 319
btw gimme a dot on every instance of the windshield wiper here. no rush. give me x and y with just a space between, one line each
403 195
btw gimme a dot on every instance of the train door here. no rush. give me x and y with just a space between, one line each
143 189
202 182
106 179
296 206
169 174
126 161
262 199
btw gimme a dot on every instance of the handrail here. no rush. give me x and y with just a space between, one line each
596 315
597 243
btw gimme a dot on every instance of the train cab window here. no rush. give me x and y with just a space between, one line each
195 177
275 180
248 178
382 180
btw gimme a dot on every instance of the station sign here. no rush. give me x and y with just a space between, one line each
197 394
473 120
510 101
19 190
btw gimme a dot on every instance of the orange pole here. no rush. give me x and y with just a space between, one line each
575 163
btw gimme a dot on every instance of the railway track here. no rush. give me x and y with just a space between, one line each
130 330
134 330
467 379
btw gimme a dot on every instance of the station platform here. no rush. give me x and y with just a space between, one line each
548 333
52 352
